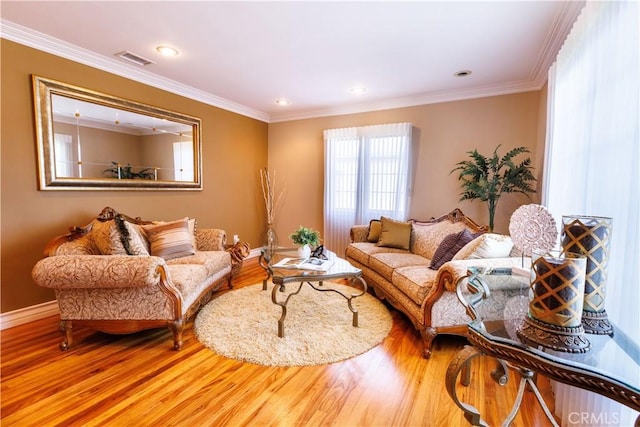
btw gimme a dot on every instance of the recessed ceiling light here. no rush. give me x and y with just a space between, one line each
167 50
462 73
283 102
358 90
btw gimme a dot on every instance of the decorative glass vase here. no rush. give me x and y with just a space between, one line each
591 237
555 308
271 240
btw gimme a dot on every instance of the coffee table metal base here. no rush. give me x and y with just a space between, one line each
280 288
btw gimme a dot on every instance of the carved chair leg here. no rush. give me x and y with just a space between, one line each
177 327
66 329
428 335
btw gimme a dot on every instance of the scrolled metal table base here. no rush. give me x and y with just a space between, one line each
460 365
280 287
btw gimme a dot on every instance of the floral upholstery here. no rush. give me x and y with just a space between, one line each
148 303
359 233
415 281
448 310
425 237
82 246
97 271
210 239
122 292
427 296
362 251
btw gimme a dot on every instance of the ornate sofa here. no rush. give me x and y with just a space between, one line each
121 275
416 266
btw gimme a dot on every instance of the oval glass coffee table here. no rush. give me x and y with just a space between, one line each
282 269
611 368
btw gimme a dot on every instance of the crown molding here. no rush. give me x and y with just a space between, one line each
554 40
413 100
34 39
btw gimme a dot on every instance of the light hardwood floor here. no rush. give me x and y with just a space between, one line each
137 380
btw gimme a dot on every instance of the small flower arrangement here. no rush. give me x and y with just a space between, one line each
305 236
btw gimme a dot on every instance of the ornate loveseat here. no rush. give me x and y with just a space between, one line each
416 266
120 275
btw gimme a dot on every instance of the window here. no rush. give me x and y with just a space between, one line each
367 175
183 161
63 155
592 164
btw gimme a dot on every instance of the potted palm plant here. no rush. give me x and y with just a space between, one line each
305 237
126 172
487 178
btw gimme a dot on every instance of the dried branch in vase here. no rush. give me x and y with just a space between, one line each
271 202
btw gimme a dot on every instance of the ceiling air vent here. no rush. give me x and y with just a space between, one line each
132 57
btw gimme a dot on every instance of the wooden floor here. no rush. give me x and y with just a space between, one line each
137 380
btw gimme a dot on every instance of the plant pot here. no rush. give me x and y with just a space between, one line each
304 251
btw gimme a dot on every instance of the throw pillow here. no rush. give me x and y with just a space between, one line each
138 243
170 239
489 245
450 246
107 238
427 236
192 229
375 227
119 237
395 234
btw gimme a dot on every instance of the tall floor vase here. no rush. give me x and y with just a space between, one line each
591 237
557 289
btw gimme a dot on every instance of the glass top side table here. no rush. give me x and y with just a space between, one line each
611 368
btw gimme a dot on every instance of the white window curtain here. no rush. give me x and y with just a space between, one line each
592 168
367 175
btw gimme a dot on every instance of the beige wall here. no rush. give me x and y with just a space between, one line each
445 132
234 148
96 155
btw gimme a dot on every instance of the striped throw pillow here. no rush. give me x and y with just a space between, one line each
170 239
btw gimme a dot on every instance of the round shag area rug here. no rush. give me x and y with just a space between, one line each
243 325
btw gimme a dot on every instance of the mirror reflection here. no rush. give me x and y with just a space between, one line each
87 139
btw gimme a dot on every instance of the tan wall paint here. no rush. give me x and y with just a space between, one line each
445 132
96 155
234 150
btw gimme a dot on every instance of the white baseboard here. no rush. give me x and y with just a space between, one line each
28 314
254 253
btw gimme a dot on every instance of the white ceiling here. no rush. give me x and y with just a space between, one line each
242 56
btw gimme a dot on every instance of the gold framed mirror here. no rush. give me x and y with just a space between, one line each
88 140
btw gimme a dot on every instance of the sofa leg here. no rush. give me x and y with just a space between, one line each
66 328
176 327
428 335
